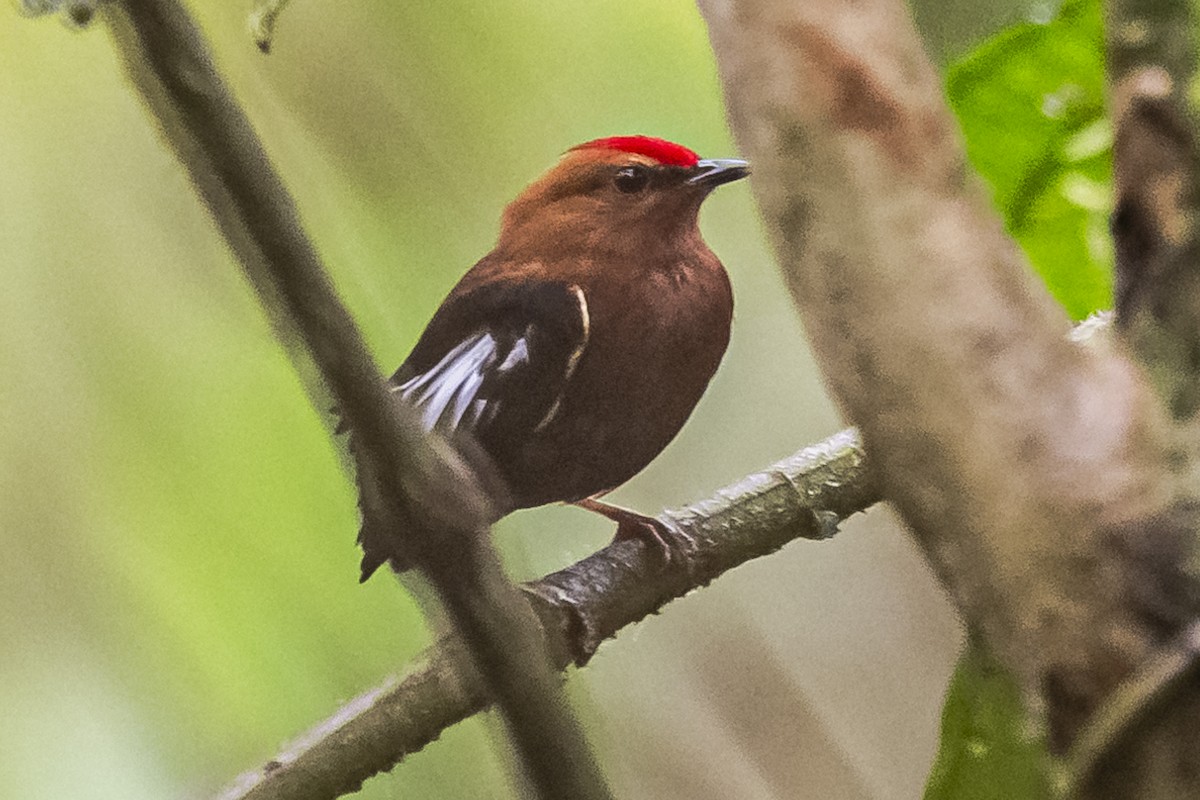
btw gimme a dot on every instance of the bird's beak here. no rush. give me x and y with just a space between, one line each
712 172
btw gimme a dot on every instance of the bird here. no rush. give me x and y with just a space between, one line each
575 350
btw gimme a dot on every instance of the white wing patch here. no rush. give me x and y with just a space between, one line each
448 389
517 356
585 320
447 394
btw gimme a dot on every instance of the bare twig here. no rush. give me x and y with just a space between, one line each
262 22
1037 477
804 496
424 479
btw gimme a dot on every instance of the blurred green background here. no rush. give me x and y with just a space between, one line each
178 593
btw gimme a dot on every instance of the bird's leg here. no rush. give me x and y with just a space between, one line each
632 525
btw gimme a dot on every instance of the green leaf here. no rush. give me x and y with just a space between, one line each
987 750
1031 105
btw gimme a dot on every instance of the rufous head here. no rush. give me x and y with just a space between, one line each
619 185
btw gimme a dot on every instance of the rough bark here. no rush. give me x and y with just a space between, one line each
1037 477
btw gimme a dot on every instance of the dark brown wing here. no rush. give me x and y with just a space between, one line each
493 364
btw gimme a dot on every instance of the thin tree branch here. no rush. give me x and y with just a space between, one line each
804 496
428 482
1142 741
1151 52
1036 476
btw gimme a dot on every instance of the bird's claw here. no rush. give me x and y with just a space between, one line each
653 533
669 542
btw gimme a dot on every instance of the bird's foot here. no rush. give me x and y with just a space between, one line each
657 536
648 530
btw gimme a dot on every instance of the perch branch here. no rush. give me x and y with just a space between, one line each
425 480
804 496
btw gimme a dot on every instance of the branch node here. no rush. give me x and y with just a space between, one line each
827 524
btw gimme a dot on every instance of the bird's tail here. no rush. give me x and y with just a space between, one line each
377 527
383 526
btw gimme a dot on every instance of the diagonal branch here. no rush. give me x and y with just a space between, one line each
428 483
804 496
1036 477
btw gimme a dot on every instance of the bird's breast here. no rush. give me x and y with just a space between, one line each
654 343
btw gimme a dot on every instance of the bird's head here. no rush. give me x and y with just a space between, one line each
616 186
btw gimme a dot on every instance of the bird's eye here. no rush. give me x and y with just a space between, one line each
632 179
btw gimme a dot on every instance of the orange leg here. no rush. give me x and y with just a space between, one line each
632 525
